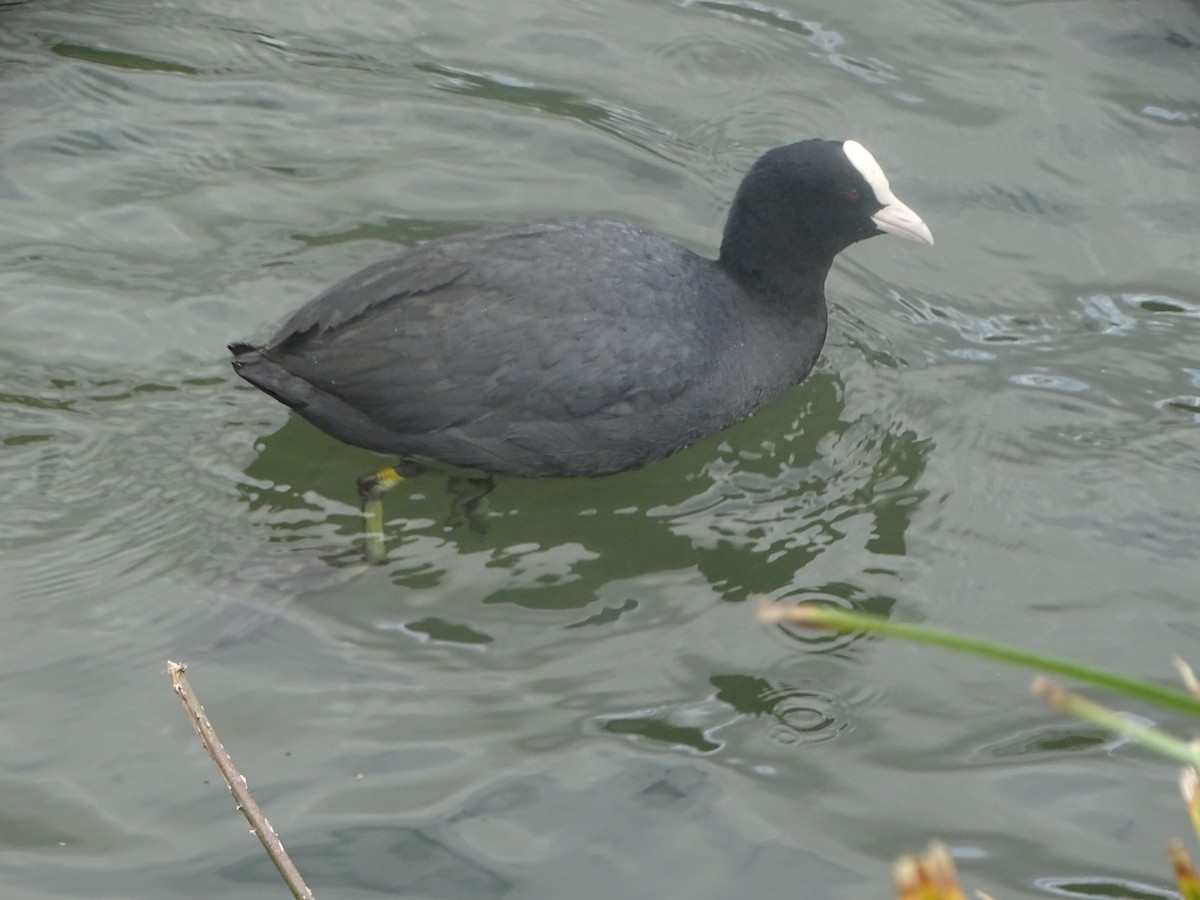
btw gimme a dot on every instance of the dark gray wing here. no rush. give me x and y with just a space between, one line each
496 333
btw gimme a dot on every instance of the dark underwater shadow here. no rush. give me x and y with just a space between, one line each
748 508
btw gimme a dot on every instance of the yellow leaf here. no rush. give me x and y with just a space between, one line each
1189 884
927 877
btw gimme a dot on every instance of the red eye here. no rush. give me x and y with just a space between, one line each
852 195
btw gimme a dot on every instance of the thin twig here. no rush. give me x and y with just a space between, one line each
237 783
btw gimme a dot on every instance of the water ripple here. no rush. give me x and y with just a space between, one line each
134 523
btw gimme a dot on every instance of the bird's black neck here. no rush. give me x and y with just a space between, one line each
770 263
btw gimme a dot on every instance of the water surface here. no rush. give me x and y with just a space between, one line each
1003 436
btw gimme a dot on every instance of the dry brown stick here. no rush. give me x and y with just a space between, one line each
237 783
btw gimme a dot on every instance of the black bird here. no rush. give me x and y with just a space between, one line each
579 347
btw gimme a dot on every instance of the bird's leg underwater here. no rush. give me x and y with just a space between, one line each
371 489
468 501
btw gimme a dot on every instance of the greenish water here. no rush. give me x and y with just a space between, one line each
1003 436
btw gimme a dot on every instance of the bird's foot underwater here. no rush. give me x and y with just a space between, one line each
468 505
468 502
371 489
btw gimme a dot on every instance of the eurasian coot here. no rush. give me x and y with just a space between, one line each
579 347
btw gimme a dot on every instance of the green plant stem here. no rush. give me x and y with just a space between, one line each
814 615
1113 721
